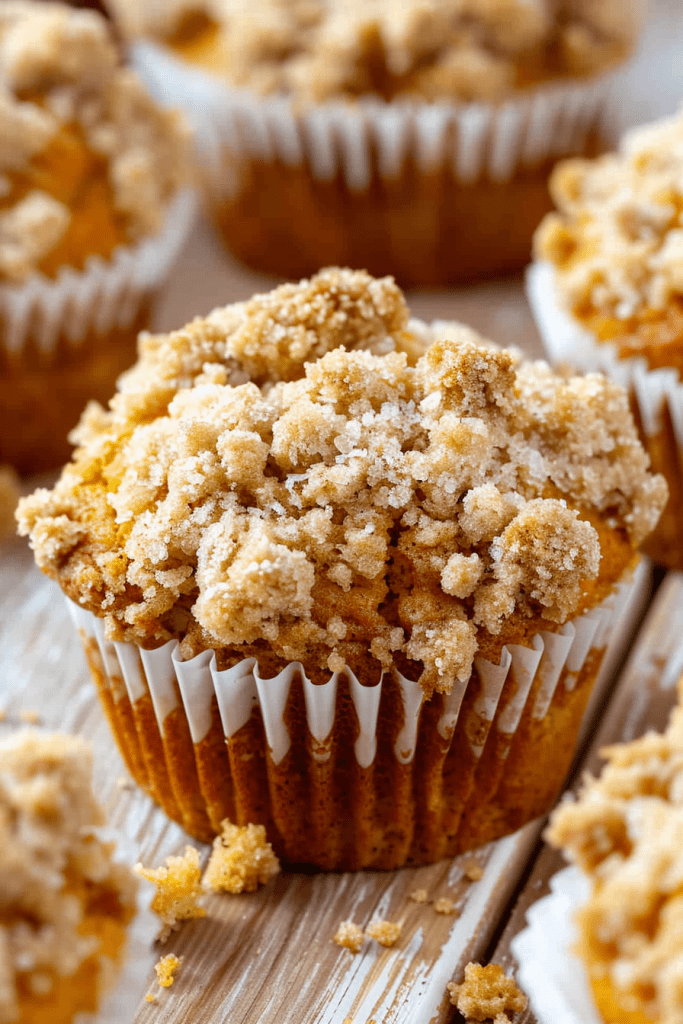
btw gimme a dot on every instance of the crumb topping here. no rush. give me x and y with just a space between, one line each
167 968
617 238
349 936
179 890
241 860
9 497
56 874
387 933
418 896
445 906
283 476
624 830
321 49
487 994
64 94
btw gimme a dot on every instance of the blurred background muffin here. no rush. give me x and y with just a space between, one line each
94 207
412 137
607 291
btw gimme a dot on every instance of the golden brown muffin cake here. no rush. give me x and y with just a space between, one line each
624 831
64 904
615 246
372 132
89 163
313 477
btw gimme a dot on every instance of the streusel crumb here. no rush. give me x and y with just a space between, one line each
445 906
179 890
472 869
624 831
387 933
241 860
418 895
167 968
64 902
282 480
66 99
349 936
322 49
487 994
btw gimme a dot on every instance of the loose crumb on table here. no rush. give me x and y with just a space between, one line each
178 884
387 933
487 993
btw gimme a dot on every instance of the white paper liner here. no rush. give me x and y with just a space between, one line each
567 341
548 971
348 138
105 295
172 682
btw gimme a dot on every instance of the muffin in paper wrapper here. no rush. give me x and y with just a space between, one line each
64 341
431 192
656 398
346 776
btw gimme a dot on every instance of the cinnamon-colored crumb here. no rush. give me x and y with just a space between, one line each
179 890
445 906
349 936
241 860
487 994
387 933
472 869
418 895
167 968
9 498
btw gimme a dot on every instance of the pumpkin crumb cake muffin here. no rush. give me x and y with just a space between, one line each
610 263
624 832
376 557
374 132
93 209
64 904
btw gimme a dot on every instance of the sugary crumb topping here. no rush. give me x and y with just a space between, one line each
487 994
467 49
167 968
624 831
241 860
472 869
387 933
56 874
64 94
445 906
617 238
418 895
349 936
286 477
9 497
179 890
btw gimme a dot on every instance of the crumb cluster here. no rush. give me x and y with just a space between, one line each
288 476
617 238
241 860
179 890
350 936
57 876
167 968
487 994
624 831
65 97
467 49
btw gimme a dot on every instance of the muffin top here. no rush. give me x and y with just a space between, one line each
88 160
322 49
313 473
625 832
617 238
54 869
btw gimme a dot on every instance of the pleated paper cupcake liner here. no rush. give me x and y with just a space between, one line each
548 971
656 398
346 775
368 182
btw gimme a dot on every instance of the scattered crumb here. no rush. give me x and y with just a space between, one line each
178 885
418 895
149 998
349 936
386 932
9 498
472 869
241 859
167 968
445 906
487 994
29 717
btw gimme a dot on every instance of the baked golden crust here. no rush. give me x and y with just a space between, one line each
87 159
286 476
323 49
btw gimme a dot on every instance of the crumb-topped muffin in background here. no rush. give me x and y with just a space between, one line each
411 137
607 290
65 905
371 554
624 832
93 209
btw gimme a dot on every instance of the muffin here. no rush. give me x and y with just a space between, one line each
344 574
65 905
411 137
624 833
93 209
607 291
